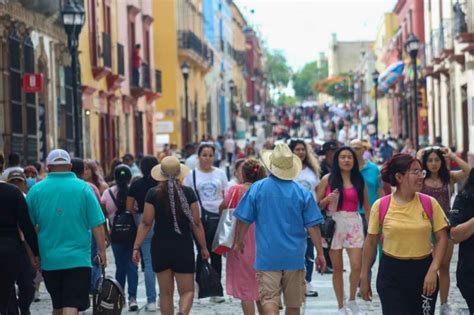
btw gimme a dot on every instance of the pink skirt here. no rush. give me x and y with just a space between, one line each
241 276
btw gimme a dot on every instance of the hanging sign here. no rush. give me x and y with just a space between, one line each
32 83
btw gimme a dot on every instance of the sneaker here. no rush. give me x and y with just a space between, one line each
310 290
342 311
132 305
217 299
446 309
150 307
352 305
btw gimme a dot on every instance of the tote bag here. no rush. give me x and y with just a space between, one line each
224 237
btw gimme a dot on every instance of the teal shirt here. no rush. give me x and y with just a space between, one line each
371 175
65 209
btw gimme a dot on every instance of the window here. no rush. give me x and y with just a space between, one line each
16 118
92 31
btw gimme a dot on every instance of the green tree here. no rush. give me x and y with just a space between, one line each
303 80
287 101
278 70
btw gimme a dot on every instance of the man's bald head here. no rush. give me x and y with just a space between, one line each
358 148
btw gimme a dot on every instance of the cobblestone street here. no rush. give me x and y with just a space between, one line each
325 304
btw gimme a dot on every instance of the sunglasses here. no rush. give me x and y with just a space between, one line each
433 148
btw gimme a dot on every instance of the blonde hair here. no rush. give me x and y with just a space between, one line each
312 161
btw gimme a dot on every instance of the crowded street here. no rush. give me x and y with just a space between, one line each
218 157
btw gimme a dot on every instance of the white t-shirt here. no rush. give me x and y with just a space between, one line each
229 145
308 180
210 187
192 161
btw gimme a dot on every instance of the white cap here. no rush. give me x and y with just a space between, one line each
58 157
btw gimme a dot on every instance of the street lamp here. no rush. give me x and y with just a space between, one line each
375 78
232 107
412 47
73 20
185 71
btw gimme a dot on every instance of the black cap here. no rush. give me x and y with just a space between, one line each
328 146
16 174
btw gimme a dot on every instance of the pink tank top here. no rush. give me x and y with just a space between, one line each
351 199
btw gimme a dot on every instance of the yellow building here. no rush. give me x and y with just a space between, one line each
169 106
239 46
117 111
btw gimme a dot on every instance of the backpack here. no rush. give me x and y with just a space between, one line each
108 298
124 229
385 204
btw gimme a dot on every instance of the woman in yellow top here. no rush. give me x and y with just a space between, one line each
407 281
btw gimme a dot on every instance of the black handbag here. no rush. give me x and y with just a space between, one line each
328 227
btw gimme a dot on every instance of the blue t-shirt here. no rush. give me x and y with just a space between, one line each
65 210
371 175
281 210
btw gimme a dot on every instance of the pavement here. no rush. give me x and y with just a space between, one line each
324 304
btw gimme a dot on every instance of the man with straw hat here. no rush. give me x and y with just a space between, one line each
283 212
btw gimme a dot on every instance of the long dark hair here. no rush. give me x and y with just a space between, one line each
443 170
146 164
336 181
468 189
122 175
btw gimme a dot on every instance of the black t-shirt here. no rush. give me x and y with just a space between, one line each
164 229
138 190
462 211
14 215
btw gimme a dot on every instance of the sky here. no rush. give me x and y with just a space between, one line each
303 28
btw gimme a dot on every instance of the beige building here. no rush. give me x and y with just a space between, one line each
449 73
343 57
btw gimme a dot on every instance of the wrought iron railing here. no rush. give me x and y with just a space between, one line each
146 76
189 40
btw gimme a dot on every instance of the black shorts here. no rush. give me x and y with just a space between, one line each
69 287
174 255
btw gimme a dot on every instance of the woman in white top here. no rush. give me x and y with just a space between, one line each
209 184
309 178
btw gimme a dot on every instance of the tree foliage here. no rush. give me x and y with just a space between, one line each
304 79
278 70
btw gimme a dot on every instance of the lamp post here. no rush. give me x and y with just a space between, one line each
375 78
73 20
412 47
232 106
185 71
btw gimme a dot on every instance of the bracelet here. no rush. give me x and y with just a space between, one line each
136 248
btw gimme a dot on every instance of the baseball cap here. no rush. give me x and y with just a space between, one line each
328 146
58 157
16 174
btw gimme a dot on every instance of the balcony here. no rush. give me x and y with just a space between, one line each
240 56
115 80
104 68
144 83
152 95
192 47
460 24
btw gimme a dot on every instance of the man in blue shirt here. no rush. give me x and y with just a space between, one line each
283 212
65 210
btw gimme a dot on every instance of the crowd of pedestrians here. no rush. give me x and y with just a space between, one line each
161 215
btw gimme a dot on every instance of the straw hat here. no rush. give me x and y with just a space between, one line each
169 166
281 162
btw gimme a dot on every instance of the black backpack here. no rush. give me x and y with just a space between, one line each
124 229
108 298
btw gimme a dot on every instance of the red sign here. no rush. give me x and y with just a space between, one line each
32 83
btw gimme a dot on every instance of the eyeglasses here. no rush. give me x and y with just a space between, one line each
433 148
418 172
